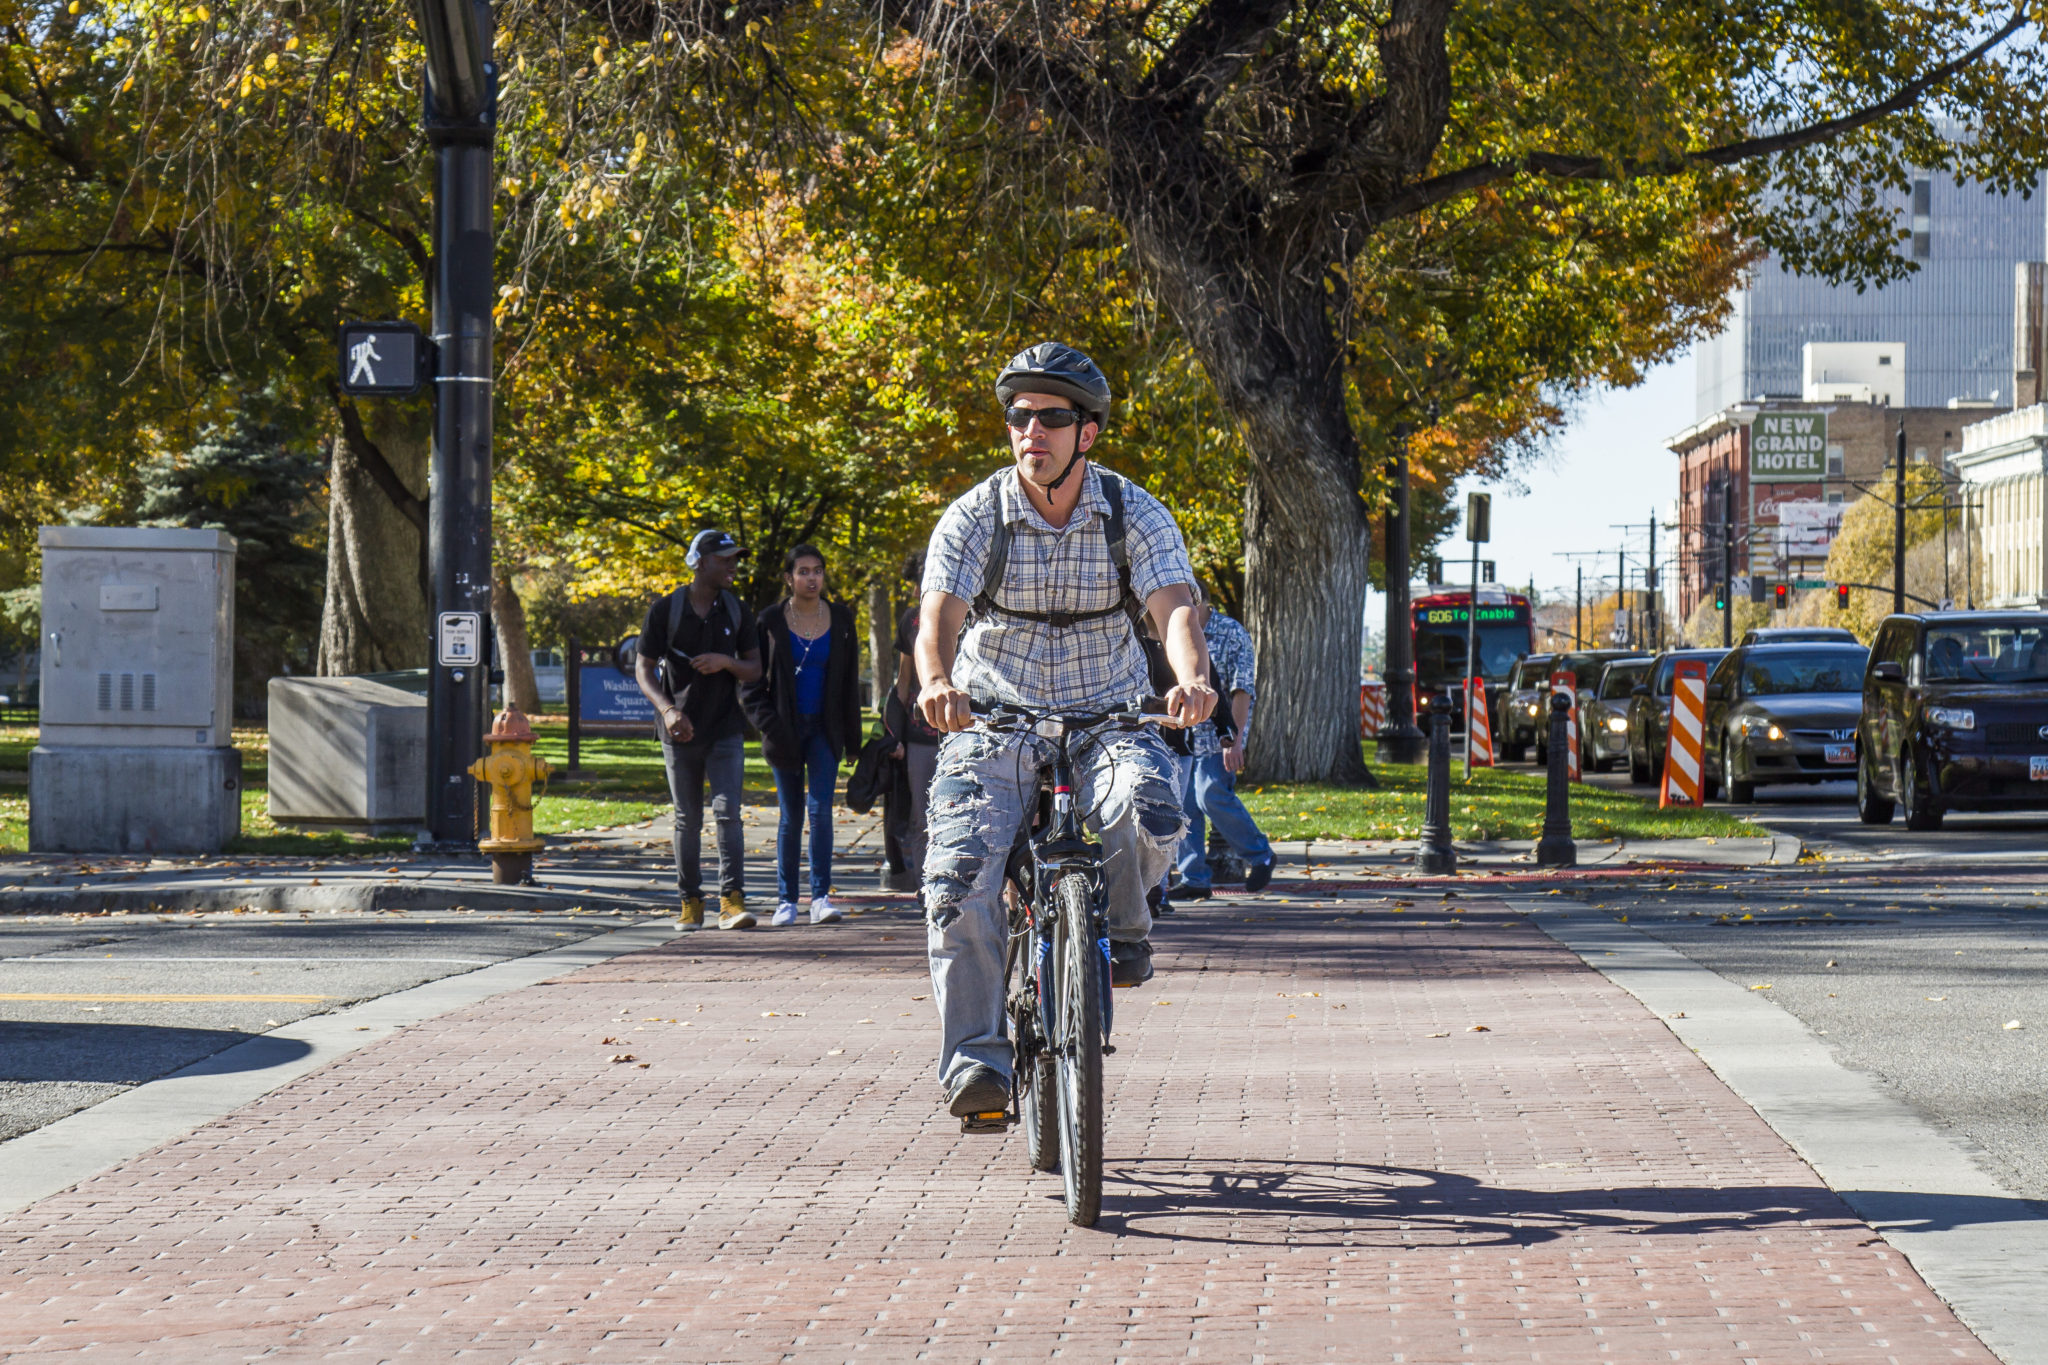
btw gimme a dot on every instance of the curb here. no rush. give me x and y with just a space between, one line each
1978 1245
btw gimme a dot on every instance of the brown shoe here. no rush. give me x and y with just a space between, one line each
692 916
733 912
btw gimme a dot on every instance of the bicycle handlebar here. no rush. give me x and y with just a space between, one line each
1144 710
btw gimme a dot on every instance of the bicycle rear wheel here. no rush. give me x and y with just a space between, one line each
1036 1086
1077 1044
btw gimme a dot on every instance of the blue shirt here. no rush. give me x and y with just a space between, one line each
810 658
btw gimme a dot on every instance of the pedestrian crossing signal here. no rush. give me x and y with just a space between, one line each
1841 597
1781 596
383 359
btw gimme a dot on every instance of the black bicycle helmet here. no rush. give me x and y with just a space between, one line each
1053 367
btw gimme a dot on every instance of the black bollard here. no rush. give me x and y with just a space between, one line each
1555 848
1435 854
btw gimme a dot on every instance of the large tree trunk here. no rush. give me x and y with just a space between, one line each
1270 352
375 616
515 649
881 642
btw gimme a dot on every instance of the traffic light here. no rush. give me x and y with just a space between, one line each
1781 596
1841 597
1720 599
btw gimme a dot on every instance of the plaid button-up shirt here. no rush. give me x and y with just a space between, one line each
1030 663
1230 654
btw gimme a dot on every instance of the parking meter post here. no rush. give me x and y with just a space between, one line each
1435 854
461 118
1555 848
1399 741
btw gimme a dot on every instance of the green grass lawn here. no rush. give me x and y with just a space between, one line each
622 783
1496 804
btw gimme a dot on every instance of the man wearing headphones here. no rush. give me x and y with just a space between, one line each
1055 628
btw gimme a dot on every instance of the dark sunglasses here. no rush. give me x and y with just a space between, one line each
1054 418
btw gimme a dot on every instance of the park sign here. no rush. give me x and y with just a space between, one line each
1788 447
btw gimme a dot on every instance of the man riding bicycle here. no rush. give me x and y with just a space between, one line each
1030 599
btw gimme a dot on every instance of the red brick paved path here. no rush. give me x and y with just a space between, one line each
1298 1170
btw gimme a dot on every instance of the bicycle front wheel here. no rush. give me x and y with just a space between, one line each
1077 1044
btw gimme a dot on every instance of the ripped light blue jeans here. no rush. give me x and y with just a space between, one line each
985 788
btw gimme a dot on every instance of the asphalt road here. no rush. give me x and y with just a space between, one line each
93 1007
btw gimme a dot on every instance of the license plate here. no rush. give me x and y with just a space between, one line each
1840 753
2037 767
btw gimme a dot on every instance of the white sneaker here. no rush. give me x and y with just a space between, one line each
785 914
823 911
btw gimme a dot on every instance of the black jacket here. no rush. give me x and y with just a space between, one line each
770 702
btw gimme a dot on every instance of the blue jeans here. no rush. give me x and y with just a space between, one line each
810 785
1212 792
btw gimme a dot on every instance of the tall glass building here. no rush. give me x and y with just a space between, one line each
1955 314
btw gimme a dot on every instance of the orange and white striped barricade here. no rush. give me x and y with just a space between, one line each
1372 708
1685 737
1478 725
1567 682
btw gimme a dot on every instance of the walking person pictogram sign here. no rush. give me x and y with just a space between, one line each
1568 683
1685 739
1478 725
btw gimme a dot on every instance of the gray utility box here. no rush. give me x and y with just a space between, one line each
347 751
137 693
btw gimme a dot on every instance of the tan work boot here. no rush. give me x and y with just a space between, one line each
693 913
733 912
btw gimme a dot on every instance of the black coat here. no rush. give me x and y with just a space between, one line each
770 702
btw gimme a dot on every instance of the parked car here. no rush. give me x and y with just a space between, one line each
1798 635
1954 716
1782 713
1649 711
550 678
1603 714
1515 721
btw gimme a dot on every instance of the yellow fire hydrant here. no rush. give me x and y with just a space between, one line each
511 769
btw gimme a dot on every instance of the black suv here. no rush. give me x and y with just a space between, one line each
1955 716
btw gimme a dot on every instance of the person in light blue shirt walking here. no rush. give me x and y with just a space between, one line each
1216 758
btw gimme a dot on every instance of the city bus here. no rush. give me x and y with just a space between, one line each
1507 631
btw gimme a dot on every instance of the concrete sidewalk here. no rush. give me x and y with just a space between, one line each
1340 1129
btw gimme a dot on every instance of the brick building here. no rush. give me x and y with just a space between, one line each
1786 515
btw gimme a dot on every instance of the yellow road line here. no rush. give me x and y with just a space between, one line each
101 998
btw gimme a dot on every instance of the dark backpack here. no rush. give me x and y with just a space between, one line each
677 605
1127 602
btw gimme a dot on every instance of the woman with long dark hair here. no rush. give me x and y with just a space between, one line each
806 704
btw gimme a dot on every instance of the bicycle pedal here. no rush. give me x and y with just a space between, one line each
995 1121
1108 1049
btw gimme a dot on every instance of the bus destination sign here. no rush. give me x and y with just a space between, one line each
1455 616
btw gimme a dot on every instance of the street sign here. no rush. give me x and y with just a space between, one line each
1479 517
382 359
460 636
1788 447
1805 584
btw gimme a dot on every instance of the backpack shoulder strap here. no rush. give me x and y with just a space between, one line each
998 560
675 616
1119 551
732 610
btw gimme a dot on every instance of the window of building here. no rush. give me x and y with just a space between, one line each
1923 197
1834 462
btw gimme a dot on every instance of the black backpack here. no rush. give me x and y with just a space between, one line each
1127 602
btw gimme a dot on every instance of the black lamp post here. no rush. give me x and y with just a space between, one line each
461 120
1399 741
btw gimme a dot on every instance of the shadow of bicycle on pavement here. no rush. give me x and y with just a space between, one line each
1351 1204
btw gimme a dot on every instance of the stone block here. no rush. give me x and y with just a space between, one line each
347 751
133 799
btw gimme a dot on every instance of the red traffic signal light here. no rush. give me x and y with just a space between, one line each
1781 596
1841 597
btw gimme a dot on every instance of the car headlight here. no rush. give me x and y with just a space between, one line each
1954 717
1754 727
1533 708
1616 725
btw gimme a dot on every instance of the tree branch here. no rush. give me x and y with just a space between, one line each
1209 53
1450 185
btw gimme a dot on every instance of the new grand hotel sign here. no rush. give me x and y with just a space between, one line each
1791 524
1788 447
